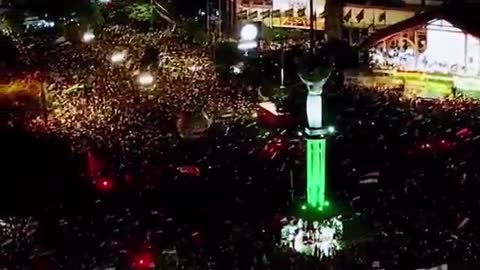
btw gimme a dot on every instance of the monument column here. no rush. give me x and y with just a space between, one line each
316 143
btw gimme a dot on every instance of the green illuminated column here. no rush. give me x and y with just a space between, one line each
316 134
316 152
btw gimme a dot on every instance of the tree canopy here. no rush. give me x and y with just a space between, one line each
141 12
5 26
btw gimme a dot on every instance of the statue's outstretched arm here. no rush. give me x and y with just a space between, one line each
307 83
315 85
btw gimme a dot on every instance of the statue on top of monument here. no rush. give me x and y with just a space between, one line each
314 73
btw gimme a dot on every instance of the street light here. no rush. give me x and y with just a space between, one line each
145 78
88 37
249 32
248 36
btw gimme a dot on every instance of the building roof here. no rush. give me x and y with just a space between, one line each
459 16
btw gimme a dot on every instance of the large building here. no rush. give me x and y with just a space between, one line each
280 13
296 13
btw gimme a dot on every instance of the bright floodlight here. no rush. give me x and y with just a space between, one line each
249 32
145 78
88 37
118 57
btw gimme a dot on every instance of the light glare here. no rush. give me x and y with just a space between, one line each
145 78
118 57
88 37
249 32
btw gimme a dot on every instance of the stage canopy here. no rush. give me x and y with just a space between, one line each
434 42
433 50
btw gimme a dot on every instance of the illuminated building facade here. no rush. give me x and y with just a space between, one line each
442 45
296 14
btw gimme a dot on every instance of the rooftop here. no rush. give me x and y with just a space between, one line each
456 15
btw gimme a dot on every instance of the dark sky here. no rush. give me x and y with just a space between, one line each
189 7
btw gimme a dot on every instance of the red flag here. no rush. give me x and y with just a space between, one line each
464 133
191 170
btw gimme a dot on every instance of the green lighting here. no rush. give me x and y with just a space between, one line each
304 207
316 152
331 129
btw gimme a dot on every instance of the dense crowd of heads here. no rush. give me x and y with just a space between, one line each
89 96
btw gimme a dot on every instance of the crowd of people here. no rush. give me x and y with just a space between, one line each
86 92
419 212
319 239
411 59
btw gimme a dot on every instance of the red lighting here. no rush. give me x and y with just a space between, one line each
464 133
433 146
144 261
190 170
104 184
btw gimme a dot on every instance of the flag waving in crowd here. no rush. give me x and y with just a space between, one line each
369 178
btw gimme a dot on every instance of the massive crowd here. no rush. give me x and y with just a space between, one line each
419 212
87 92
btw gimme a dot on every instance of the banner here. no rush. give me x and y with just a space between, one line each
360 15
357 16
283 5
253 15
265 14
276 13
282 13
242 15
288 13
382 17
348 16
301 12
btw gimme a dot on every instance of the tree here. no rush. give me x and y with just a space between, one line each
148 12
143 13
91 15
5 26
